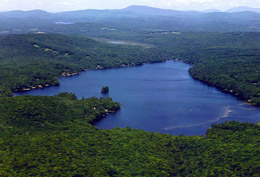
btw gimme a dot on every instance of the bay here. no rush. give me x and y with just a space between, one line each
159 97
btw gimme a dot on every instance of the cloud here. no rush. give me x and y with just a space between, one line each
64 3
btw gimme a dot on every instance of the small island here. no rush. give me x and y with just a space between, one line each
105 90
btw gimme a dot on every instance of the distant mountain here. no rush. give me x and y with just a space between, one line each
211 10
130 18
25 14
243 9
71 16
145 10
93 14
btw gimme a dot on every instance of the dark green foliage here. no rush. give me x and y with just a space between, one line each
105 89
36 61
5 91
229 61
44 112
51 136
54 136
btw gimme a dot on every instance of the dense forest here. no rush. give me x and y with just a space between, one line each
37 60
229 61
54 136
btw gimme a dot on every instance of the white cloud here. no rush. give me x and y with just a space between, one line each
64 3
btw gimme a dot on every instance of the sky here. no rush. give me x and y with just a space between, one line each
69 5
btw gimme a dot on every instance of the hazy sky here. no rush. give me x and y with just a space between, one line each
67 5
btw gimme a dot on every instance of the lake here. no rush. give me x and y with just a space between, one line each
159 97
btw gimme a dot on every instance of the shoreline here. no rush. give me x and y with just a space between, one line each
226 91
97 119
98 67
64 74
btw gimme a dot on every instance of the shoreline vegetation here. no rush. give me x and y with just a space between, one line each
55 136
77 73
225 90
33 61
208 54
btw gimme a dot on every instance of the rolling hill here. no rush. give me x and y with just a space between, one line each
243 9
36 60
130 18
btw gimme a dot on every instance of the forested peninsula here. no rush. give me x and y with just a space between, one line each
54 136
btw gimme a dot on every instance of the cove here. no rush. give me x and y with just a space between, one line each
160 97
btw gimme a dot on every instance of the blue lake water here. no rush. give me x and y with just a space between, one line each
159 97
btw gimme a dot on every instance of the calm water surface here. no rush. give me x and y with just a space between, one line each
158 97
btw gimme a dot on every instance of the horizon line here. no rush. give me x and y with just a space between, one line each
101 9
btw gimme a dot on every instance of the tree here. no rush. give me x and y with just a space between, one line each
105 89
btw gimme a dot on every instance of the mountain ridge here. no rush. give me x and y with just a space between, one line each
132 17
137 8
128 11
243 9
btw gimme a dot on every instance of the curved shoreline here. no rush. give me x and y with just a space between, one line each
98 67
224 90
171 73
134 65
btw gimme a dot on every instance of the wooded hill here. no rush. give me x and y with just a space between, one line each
53 136
131 18
229 61
37 60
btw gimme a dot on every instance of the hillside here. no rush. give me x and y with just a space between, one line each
243 9
218 59
131 18
55 136
36 61
52 136
152 11
229 61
